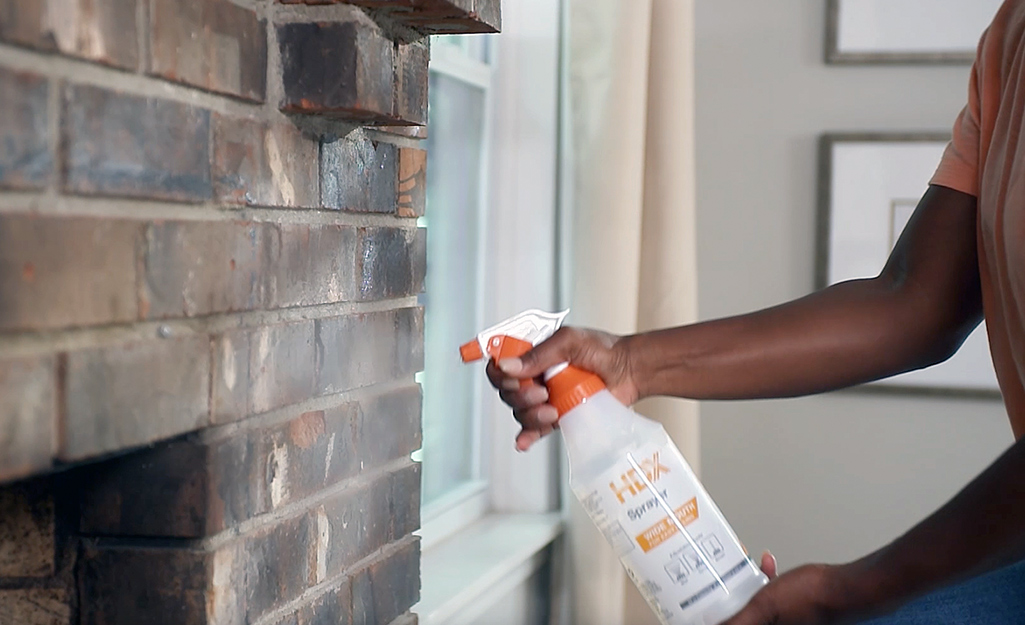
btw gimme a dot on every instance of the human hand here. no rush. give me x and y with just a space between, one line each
814 594
601 353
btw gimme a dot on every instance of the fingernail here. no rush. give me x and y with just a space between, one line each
511 384
536 395
548 415
512 366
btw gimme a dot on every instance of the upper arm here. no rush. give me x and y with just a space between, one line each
935 266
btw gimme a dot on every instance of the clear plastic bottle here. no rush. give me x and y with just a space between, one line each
638 489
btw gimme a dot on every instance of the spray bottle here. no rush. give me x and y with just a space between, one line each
637 488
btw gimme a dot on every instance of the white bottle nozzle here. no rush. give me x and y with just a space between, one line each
531 326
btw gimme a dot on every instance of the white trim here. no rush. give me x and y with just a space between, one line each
452 512
453 61
473 571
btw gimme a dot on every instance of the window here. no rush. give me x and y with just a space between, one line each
454 481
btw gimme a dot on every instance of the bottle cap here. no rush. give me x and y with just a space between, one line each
571 387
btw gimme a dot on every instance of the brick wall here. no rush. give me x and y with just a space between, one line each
209 268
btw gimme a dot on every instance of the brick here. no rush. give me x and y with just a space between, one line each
26 161
28 417
412 182
122 145
405 500
392 262
48 270
99 31
412 65
212 44
442 16
35 606
359 174
199 268
162 586
129 395
281 365
315 265
344 70
387 588
259 164
359 350
27 542
358 525
389 427
281 565
192 489
229 382
331 608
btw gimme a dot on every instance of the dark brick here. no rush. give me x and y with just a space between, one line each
229 393
27 543
387 588
359 174
122 145
341 69
25 160
442 16
49 269
35 606
389 427
412 182
28 417
359 350
124 396
413 60
316 265
281 564
391 262
281 365
260 165
197 268
213 44
331 608
405 500
99 31
162 586
358 525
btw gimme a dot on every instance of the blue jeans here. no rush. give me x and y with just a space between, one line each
996 598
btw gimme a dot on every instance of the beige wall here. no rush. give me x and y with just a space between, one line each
831 477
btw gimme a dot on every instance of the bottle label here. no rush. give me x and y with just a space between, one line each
679 573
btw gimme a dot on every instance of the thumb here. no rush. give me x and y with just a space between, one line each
769 565
554 351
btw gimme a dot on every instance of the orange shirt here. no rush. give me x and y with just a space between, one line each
987 159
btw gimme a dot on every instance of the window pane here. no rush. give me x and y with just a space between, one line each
455 149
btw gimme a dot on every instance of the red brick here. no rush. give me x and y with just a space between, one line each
124 396
412 182
99 31
257 164
122 145
442 16
391 262
413 60
387 588
360 350
28 418
359 174
198 268
282 365
27 538
340 69
213 44
26 161
49 268
35 606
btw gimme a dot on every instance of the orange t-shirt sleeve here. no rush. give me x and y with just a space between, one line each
959 167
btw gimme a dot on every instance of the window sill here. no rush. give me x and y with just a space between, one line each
463 575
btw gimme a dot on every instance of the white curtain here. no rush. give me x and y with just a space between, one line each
628 243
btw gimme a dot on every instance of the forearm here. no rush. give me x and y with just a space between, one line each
981 529
844 335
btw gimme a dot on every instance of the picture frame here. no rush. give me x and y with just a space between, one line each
869 185
862 32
